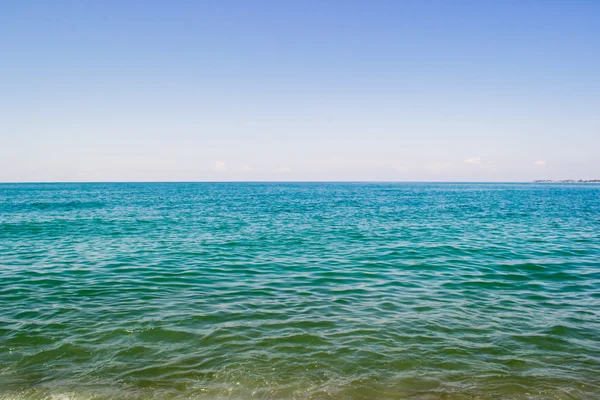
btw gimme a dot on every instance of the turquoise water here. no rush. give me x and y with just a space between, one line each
299 291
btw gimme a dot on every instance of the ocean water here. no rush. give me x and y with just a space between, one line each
299 291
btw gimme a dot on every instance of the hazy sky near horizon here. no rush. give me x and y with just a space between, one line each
299 90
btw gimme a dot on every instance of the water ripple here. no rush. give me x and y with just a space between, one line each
299 291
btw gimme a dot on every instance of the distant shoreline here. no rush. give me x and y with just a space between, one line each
567 181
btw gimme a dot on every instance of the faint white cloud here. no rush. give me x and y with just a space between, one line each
283 170
478 160
540 162
440 167
219 165
474 160
245 168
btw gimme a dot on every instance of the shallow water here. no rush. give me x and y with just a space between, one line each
299 291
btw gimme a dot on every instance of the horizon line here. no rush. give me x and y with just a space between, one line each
260 181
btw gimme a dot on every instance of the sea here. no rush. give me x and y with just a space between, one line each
299 291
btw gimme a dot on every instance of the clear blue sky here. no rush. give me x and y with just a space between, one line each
299 90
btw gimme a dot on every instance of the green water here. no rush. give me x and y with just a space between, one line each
299 291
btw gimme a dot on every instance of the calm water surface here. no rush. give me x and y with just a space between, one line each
299 291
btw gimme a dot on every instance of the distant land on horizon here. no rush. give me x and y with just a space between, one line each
567 181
